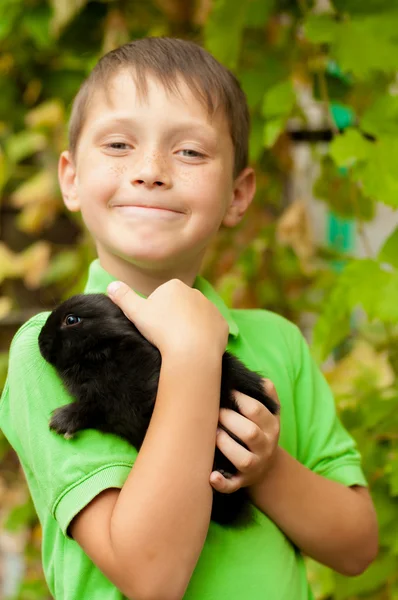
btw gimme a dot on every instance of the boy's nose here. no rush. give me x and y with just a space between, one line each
151 172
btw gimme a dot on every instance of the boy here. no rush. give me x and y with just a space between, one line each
157 163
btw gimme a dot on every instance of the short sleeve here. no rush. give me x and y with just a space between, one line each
63 475
324 445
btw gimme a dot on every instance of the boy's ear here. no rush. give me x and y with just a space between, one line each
242 195
67 181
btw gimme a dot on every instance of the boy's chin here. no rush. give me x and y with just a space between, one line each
146 261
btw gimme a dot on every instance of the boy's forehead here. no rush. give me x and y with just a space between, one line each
124 95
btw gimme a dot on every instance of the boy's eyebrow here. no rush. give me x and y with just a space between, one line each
184 127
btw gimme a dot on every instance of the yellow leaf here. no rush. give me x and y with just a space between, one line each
30 265
40 200
37 217
8 263
116 31
176 11
35 262
362 360
32 91
7 62
202 11
5 306
63 12
294 229
3 170
48 114
38 189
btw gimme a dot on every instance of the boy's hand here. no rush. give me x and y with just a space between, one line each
259 430
175 317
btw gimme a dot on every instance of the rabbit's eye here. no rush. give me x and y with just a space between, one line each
72 320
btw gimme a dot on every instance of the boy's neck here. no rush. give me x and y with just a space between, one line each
142 280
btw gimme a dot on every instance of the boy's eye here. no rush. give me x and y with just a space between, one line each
192 153
117 146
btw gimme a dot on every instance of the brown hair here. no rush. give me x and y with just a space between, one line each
167 59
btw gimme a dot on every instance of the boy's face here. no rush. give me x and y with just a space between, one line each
153 178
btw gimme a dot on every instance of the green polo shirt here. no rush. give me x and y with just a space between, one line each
255 563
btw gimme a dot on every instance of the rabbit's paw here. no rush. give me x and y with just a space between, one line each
66 421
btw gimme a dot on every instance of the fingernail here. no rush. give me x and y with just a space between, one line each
112 287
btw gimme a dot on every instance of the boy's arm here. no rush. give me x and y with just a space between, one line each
334 524
148 537
319 500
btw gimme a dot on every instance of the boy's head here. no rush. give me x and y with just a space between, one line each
158 156
170 61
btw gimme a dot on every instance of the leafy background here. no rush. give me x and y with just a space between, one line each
340 57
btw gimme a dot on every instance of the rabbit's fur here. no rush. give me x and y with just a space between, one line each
112 372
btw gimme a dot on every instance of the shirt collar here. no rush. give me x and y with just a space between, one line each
99 279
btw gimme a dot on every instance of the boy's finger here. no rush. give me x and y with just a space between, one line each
270 389
253 410
223 485
124 297
239 456
245 429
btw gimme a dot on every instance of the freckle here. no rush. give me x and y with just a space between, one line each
190 178
117 169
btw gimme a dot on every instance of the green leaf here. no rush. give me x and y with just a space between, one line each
256 144
279 100
364 46
272 130
320 29
371 580
333 323
253 85
321 579
387 309
379 175
348 148
10 11
20 516
342 194
381 118
364 7
229 286
224 29
392 470
367 283
258 12
63 266
362 283
389 251
36 21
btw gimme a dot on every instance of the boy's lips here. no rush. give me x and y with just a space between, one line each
147 211
127 205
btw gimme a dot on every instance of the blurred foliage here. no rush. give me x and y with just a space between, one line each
290 57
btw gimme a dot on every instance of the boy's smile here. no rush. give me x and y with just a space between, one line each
153 178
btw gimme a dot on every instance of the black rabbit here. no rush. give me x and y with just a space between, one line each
112 371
